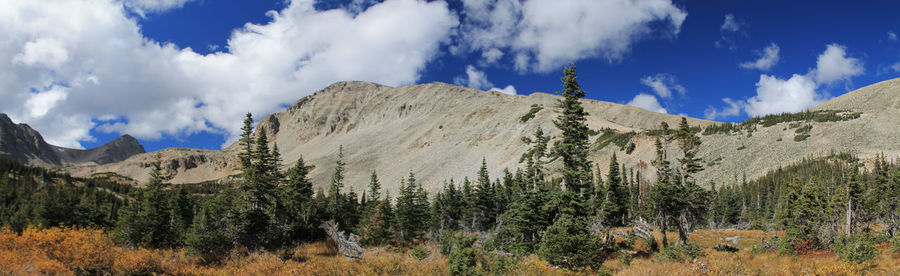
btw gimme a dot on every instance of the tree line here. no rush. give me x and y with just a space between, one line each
565 216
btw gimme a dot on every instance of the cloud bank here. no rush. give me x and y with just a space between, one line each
74 66
799 92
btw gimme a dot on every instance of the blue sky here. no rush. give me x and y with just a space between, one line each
181 73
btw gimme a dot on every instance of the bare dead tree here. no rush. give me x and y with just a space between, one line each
348 244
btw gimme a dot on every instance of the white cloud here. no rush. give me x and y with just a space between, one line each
768 57
474 79
663 85
491 56
45 51
733 109
774 95
730 24
110 69
40 103
479 80
546 34
731 28
892 36
800 92
834 65
896 67
509 89
144 7
648 102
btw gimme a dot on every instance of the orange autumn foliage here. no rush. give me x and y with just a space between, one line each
69 251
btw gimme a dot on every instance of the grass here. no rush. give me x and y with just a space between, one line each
69 251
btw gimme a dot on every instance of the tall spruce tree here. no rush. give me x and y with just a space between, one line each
298 219
616 202
412 210
573 145
147 221
486 201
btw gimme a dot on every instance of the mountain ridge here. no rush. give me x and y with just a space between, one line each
22 143
440 131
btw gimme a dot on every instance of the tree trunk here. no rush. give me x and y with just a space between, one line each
682 231
665 240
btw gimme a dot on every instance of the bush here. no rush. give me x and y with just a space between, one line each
724 247
568 243
895 244
452 240
419 252
856 249
462 261
682 252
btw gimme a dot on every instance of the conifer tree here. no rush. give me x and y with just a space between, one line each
374 188
336 205
485 199
534 157
572 147
615 204
412 210
147 221
378 227
298 214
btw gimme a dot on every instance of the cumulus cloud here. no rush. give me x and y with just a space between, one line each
834 65
648 102
892 36
72 62
798 93
478 79
768 57
774 95
144 7
733 109
731 28
509 89
663 85
543 35
474 79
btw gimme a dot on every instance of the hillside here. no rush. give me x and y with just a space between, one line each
440 131
22 143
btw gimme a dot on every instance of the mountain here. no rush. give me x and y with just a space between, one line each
440 131
22 143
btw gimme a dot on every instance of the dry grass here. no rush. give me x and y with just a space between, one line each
66 251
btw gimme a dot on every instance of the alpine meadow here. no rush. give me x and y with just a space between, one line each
363 137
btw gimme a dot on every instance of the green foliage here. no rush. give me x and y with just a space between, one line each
208 236
615 204
569 243
452 240
805 116
147 221
419 252
856 249
296 218
800 137
412 210
572 146
463 261
523 224
610 136
724 247
534 110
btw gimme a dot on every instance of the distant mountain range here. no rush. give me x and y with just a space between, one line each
22 143
441 131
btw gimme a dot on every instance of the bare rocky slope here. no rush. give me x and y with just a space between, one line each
440 131
22 143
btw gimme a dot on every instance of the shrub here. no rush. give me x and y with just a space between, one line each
452 240
895 244
682 252
419 252
568 243
724 247
856 249
463 261
534 110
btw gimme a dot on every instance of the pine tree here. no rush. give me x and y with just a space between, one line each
470 205
298 215
147 221
485 195
523 223
335 207
374 188
615 205
378 227
534 157
412 210
573 144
